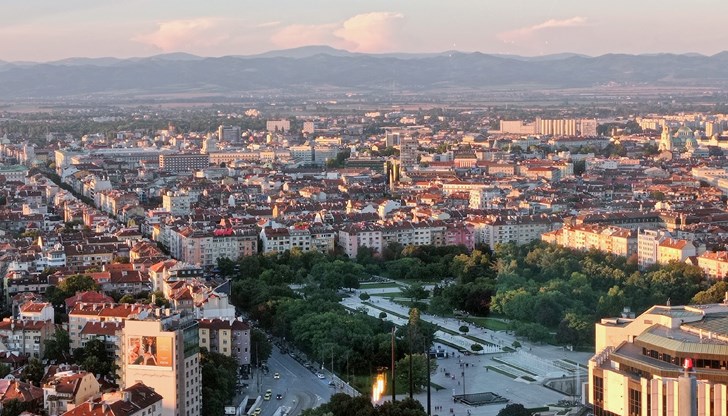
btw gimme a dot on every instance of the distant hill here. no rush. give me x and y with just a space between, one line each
315 68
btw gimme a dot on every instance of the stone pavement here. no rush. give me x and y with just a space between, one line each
535 358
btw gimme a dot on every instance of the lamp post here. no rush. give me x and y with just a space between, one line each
394 374
462 366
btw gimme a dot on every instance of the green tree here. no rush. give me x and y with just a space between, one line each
219 375
127 299
415 292
32 372
260 346
4 370
95 359
15 407
77 283
514 409
58 347
419 371
713 294
575 329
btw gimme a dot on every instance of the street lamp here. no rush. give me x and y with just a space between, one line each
462 373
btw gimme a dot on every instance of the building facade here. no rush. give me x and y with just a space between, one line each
163 353
639 365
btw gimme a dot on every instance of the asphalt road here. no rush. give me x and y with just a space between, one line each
300 387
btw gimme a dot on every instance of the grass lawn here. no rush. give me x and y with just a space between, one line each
390 295
489 323
386 285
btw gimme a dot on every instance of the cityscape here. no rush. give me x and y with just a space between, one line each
368 210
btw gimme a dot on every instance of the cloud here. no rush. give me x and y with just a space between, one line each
529 32
368 32
371 32
189 34
269 24
293 36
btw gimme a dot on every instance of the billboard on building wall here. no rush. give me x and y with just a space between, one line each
150 351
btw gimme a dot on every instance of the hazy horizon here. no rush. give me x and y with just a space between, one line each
46 30
273 52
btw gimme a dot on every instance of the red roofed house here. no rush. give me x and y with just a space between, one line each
37 311
30 396
67 389
87 297
136 400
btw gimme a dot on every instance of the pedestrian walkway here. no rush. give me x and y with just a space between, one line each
461 374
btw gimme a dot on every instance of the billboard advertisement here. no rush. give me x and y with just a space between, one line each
150 351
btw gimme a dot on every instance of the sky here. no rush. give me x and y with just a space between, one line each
47 30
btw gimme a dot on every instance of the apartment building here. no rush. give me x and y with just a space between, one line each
203 247
229 337
176 203
278 240
648 242
671 249
184 162
163 353
714 264
610 239
25 337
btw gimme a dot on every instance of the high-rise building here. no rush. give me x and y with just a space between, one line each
230 134
163 353
408 151
669 361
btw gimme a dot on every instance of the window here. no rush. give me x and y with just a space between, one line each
635 402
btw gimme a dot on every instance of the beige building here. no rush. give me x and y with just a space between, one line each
229 337
67 389
610 239
163 353
639 365
671 249
714 264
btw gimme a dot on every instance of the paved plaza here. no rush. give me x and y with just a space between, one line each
459 373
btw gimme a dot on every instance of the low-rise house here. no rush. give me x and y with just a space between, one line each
66 390
136 400
28 395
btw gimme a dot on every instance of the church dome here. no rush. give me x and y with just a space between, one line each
691 143
684 131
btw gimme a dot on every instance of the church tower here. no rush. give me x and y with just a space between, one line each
665 139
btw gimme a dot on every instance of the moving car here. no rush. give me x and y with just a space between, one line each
279 396
276 376
257 411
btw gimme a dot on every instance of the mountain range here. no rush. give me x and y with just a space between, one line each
321 68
